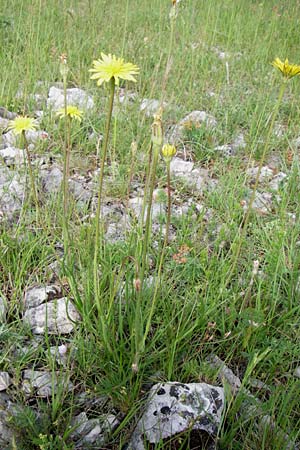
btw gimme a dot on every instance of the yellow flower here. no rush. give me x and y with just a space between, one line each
112 67
288 70
21 124
72 111
168 151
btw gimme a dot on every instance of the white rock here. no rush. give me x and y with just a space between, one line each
239 142
196 118
226 149
7 114
179 166
265 174
3 309
150 106
173 408
5 381
95 431
43 383
51 179
55 317
12 155
12 193
60 354
277 181
297 372
36 295
3 123
9 139
136 204
262 203
75 97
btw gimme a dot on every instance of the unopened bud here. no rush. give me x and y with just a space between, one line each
168 152
133 148
255 267
157 130
63 67
137 284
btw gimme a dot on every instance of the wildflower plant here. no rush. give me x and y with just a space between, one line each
19 126
288 70
109 69
72 112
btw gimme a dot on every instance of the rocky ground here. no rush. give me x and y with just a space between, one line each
172 407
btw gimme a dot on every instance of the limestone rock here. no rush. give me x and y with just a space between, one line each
176 407
179 166
195 119
75 97
55 317
5 381
277 181
7 114
265 175
36 295
92 431
51 179
43 383
12 156
9 139
3 309
150 106
12 192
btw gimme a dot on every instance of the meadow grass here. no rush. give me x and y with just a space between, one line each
250 321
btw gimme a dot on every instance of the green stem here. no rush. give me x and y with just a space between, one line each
156 150
100 189
66 170
31 176
169 204
244 224
168 64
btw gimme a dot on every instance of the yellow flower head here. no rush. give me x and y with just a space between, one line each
168 152
112 67
21 124
72 111
288 70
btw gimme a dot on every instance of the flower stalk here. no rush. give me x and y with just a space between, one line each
31 176
168 152
66 169
100 186
156 141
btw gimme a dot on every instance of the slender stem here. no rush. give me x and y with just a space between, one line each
66 169
31 176
100 187
169 204
168 64
147 182
156 150
244 224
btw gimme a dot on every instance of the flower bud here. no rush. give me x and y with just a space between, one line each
168 152
63 67
157 130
